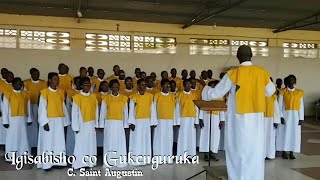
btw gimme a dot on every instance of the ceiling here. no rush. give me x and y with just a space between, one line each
251 13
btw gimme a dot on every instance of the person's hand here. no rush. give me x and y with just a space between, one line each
275 125
29 123
46 127
300 122
283 121
6 126
201 124
221 124
132 127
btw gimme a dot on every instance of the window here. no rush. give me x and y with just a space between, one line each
300 50
154 45
209 47
259 48
108 42
30 39
8 38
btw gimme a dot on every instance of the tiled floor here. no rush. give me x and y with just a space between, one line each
305 167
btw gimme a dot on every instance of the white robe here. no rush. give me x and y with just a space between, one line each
114 137
244 134
85 139
33 129
270 132
140 138
2 129
54 139
163 138
17 138
289 134
215 132
187 134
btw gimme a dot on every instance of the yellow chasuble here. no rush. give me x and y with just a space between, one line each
112 77
197 92
165 105
115 106
88 106
34 89
6 87
292 99
142 105
71 93
54 101
187 105
270 106
18 102
65 82
122 85
100 97
152 91
250 94
128 93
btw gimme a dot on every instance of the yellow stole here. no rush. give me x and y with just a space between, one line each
88 106
18 103
250 94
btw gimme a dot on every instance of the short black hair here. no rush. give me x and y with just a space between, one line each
113 81
162 72
90 68
76 78
16 80
127 78
83 68
172 81
84 79
214 82
292 76
32 70
163 81
140 81
102 82
185 81
51 75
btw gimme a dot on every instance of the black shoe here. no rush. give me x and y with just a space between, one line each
285 155
291 156
267 158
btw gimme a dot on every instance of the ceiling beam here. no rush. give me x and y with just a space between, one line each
295 25
200 19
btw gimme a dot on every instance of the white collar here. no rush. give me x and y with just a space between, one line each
128 90
291 89
205 80
187 92
77 90
114 95
193 89
62 74
35 82
15 91
174 91
246 63
165 94
3 79
103 93
149 88
53 90
100 79
85 94
7 82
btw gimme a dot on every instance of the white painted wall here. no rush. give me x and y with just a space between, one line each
21 60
